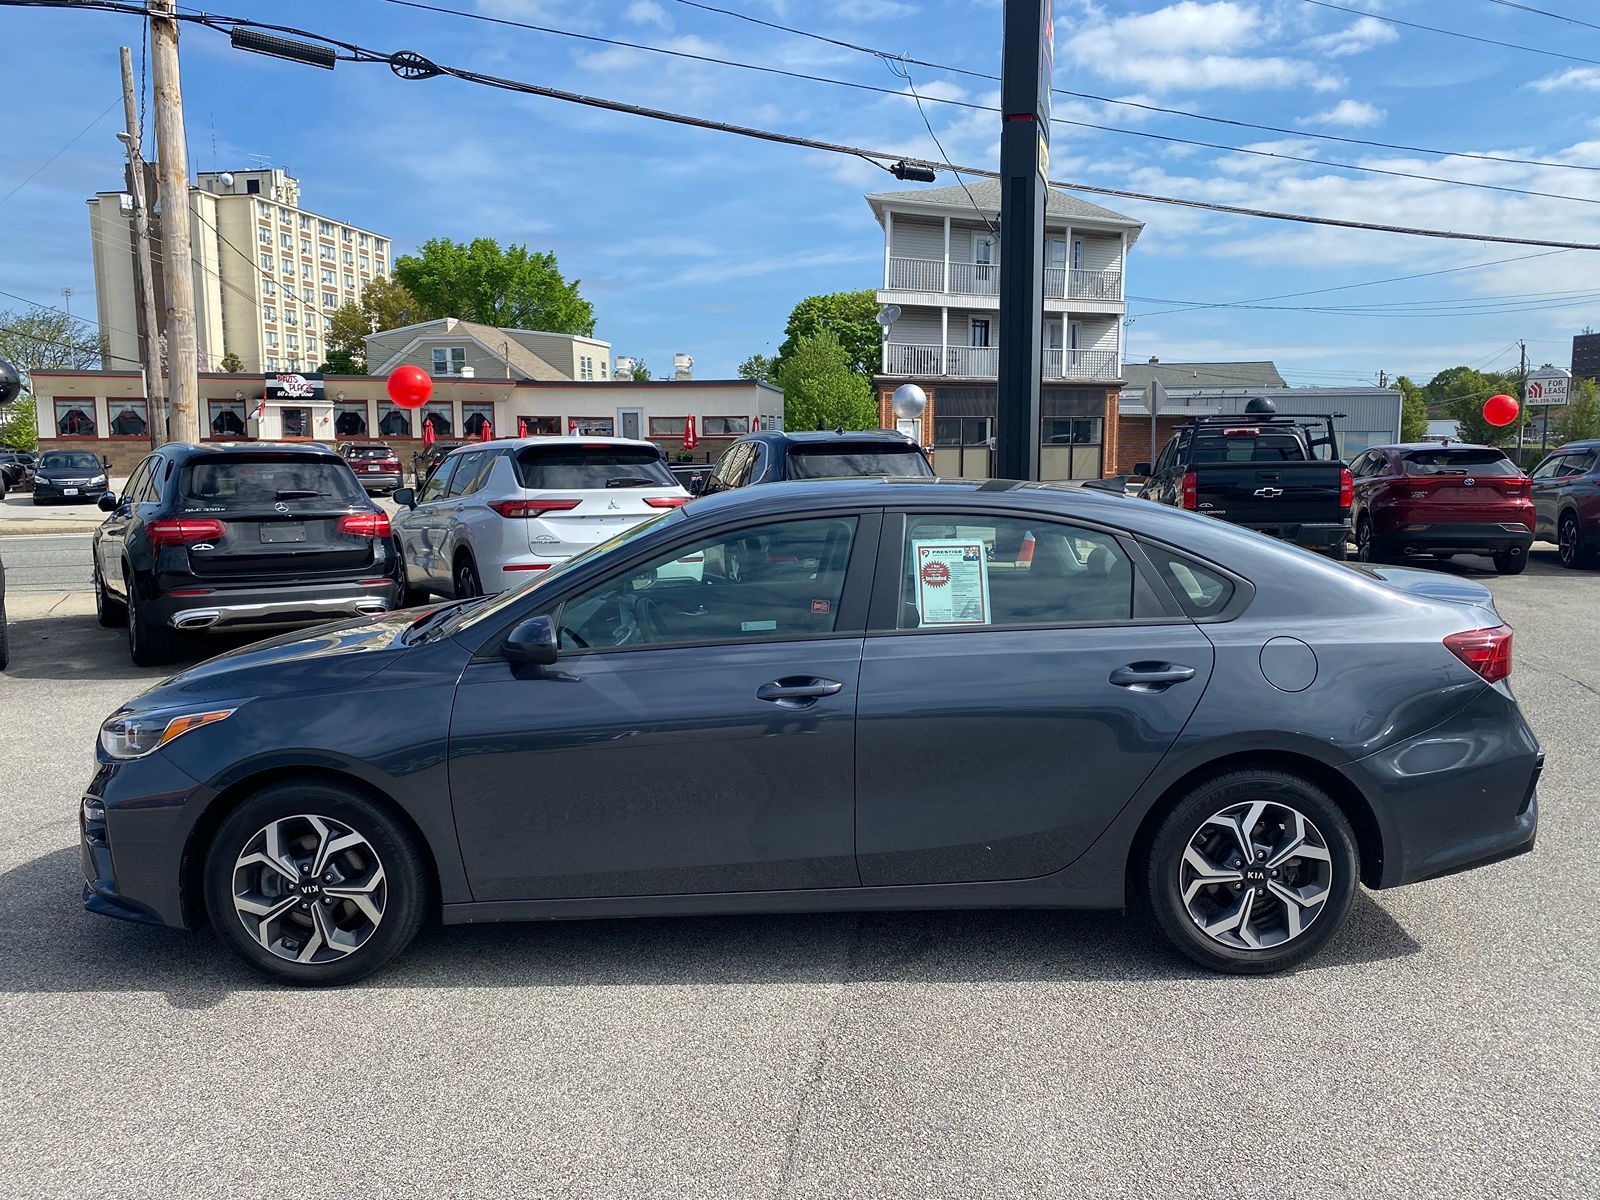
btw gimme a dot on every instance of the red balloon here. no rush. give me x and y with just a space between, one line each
410 387
1500 410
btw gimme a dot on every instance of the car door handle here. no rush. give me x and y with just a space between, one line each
1151 676
798 691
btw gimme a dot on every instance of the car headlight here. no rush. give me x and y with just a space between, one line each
98 481
133 735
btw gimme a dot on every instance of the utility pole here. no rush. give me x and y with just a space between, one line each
172 173
1024 167
155 390
1522 399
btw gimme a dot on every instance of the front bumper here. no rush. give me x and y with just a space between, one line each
132 857
1455 538
274 608
44 489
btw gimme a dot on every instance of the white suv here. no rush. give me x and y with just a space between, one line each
493 512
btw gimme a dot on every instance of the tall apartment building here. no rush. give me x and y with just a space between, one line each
268 275
941 270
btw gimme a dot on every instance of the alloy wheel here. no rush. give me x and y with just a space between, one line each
466 580
309 889
1567 542
1255 875
1364 540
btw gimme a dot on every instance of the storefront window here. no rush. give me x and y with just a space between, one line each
393 421
538 426
75 417
227 418
438 417
296 422
595 426
129 418
475 418
671 427
724 426
350 419
1072 431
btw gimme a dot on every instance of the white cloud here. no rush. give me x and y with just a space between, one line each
1356 38
1573 79
648 12
1190 45
872 10
1354 114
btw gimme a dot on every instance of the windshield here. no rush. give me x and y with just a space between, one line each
1245 447
256 481
474 614
64 460
846 463
564 467
1459 462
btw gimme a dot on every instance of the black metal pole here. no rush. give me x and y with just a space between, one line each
1024 164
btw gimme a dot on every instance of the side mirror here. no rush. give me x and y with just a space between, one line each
1142 469
697 484
406 496
532 642
105 462
107 502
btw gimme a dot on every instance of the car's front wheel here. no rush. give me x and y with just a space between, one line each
1252 871
1570 544
314 883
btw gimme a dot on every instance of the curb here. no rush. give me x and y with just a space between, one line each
43 526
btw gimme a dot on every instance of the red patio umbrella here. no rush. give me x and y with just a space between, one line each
690 438
485 431
428 435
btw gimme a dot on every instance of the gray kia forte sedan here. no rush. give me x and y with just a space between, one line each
837 695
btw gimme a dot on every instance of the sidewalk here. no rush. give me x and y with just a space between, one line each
20 515
27 606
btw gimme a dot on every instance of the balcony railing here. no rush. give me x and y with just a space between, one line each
980 362
983 279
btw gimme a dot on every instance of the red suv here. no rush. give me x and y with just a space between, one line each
374 463
1441 499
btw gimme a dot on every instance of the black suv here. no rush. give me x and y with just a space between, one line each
257 536
771 457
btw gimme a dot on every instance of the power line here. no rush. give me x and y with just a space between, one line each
1528 8
67 145
1147 107
904 72
413 66
1455 33
900 66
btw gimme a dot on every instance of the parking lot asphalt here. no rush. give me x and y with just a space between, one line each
1447 1043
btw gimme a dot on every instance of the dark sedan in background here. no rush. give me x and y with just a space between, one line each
71 476
256 536
899 695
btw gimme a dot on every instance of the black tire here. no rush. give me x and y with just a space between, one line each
1570 545
1511 562
1339 551
110 612
38 500
464 578
150 644
1188 820
406 898
1366 547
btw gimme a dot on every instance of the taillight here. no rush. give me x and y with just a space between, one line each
365 524
1347 488
174 531
1191 492
531 508
666 501
1486 651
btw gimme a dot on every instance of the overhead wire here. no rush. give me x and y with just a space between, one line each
65 146
1542 12
1455 33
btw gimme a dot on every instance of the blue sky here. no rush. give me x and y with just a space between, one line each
701 242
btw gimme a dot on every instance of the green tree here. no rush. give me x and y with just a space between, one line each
232 363
758 367
852 317
1581 417
1413 410
1460 393
820 388
19 425
510 287
42 339
641 373
385 303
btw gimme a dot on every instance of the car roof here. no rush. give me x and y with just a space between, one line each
1438 444
920 492
1580 444
188 450
565 439
890 437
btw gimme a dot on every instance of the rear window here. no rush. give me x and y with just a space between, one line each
1199 590
1459 462
836 462
61 460
1241 448
250 481
369 452
569 467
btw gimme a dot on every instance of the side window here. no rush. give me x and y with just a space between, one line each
1585 462
731 465
440 479
1572 465
1165 460
136 482
150 485
992 572
468 472
763 583
1547 468
1199 590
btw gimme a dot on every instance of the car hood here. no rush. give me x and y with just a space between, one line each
52 473
306 660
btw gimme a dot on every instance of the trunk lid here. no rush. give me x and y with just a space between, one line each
577 494
1477 485
1270 493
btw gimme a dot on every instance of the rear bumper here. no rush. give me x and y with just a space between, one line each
1305 534
1457 538
275 608
388 480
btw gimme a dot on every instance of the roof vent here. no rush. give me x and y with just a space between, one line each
1154 361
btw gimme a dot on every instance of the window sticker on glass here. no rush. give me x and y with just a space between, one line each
952 582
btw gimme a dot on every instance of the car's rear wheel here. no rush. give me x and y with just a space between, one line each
1569 542
314 883
150 644
1366 549
110 613
1252 871
1511 562
465 577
